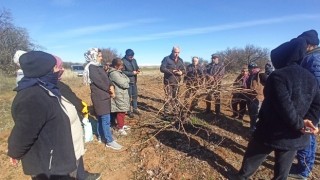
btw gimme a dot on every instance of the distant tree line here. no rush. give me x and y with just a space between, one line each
236 58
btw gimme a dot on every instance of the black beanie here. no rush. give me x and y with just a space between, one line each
129 52
310 36
36 64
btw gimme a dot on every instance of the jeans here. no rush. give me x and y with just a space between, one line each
133 93
257 152
103 127
306 157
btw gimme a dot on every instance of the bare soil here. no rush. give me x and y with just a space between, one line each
210 148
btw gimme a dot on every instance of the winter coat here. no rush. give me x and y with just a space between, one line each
215 70
194 73
41 136
121 102
214 74
291 95
100 88
255 83
239 84
130 66
167 66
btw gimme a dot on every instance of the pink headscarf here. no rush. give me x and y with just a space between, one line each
59 65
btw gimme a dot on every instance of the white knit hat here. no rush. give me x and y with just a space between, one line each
17 56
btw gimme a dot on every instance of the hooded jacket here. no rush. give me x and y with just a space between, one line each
121 102
291 95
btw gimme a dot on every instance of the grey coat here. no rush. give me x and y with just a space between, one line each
100 90
120 103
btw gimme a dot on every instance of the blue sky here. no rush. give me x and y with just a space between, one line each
67 28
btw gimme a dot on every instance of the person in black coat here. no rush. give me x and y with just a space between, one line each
288 113
173 68
195 73
215 72
131 69
41 137
101 92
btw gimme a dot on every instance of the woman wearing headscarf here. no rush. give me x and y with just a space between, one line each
100 87
73 106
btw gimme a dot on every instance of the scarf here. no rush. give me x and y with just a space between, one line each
48 81
91 56
86 72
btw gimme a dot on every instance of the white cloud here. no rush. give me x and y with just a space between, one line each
209 29
86 30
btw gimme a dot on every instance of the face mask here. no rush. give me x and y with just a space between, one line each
53 77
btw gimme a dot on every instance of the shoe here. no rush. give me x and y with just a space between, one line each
234 177
130 115
114 145
126 127
99 140
135 111
122 132
297 176
93 176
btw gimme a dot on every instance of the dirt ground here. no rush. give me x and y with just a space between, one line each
155 149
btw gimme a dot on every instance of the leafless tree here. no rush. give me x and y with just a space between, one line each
12 38
238 57
109 54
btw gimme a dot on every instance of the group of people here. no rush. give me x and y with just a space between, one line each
283 104
195 74
248 92
113 92
48 137
289 113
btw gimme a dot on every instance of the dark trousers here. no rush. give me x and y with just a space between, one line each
238 99
171 101
215 95
133 94
257 152
253 109
52 177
